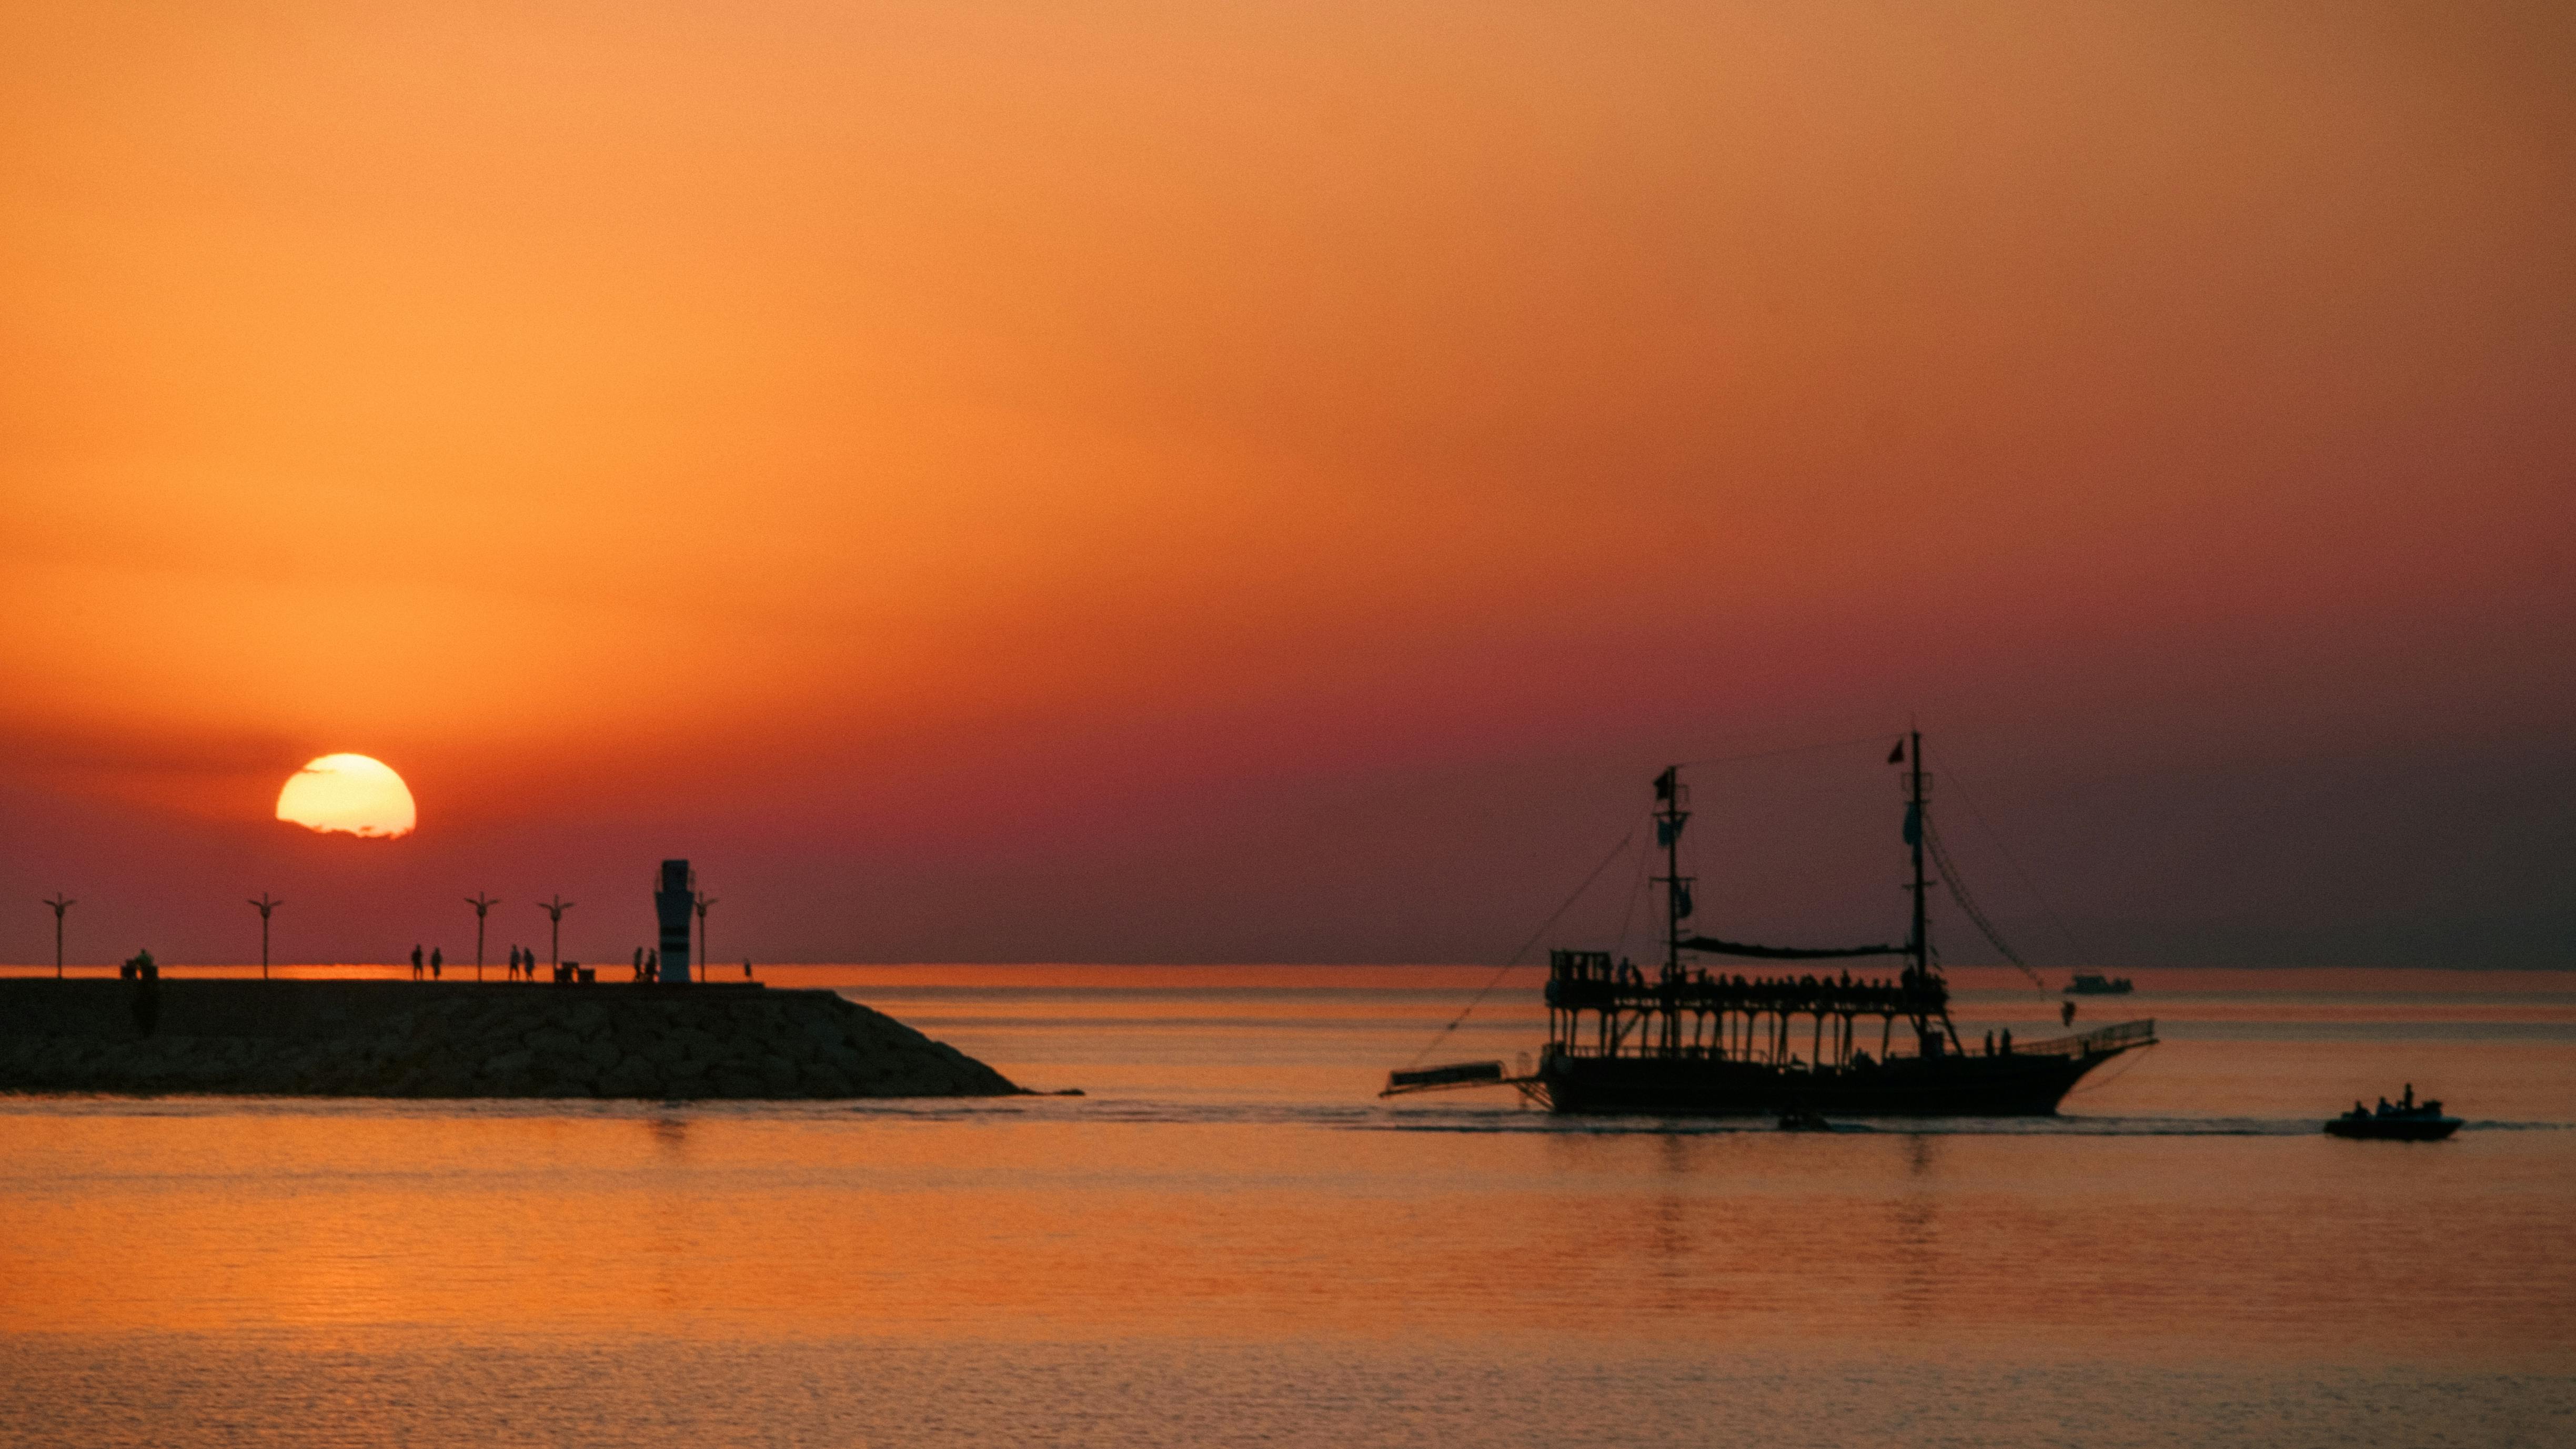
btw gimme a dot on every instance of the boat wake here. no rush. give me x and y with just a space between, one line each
1522 1121
1892 1126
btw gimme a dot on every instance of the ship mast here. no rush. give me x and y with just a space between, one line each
1929 990
1670 797
1921 947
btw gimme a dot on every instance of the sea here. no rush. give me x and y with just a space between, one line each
1230 1239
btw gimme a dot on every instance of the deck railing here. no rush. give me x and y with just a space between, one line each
2105 1039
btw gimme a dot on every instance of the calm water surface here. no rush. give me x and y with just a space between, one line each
1229 1241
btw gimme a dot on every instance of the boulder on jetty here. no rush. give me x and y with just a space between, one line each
464 1039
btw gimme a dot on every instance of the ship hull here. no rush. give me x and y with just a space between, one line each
2394 1129
1952 1086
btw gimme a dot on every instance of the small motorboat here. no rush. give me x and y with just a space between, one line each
2407 1120
1799 1119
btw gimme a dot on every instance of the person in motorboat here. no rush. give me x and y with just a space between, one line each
2404 1120
2405 1106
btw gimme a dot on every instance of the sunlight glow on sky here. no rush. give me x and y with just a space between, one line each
1271 481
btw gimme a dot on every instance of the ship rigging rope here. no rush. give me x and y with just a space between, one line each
1959 892
1636 893
1507 967
1869 739
1960 783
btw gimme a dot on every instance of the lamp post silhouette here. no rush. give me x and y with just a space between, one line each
264 905
60 905
480 906
554 910
704 900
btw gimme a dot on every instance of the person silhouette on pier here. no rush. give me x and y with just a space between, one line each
435 960
415 963
2007 1041
1990 1043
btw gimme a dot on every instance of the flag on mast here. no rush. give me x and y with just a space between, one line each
1897 756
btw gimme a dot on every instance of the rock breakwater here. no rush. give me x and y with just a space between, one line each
400 1039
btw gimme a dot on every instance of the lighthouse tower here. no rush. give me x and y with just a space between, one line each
672 899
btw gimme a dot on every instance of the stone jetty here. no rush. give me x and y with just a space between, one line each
466 1039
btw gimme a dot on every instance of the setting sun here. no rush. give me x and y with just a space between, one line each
349 793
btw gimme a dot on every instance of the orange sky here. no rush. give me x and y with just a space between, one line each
1261 482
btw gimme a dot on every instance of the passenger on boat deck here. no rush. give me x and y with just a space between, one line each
2007 1041
2383 1106
1990 1043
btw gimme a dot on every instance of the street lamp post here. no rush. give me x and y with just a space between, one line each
706 971
60 905
264 905
554 910
480 905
